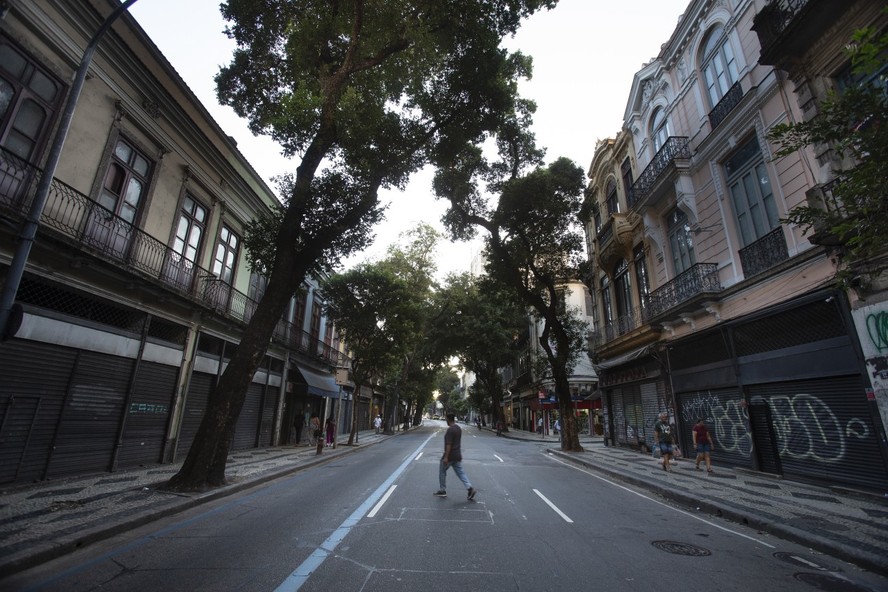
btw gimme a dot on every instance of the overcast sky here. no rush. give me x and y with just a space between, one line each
585 54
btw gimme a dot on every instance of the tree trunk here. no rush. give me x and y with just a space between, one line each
204 466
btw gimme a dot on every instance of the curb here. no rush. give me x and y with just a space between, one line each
44 552
870 561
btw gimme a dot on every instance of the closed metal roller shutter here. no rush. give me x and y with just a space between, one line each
195 407
269 408
824 430
726 420
31 404
148 415
247 431
91 416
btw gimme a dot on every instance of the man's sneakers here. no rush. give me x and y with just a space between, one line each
472 492
441 493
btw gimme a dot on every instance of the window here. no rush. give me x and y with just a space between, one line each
589 301
718 65
186 242
623 291
299 313
258 284
641 276
659 129
680 241
613 203
28 98
607 306
225 258
751 196
125 181
626 173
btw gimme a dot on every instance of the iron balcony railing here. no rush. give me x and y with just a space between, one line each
674 148
764 253
775 18
698 280
93 229
725 105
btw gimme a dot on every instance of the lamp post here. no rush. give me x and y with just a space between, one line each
29 228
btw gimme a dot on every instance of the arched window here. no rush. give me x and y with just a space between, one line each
718 65
659 128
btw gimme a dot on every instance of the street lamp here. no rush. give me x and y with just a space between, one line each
29 228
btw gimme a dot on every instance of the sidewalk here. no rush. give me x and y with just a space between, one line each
839 521
41 521
45 520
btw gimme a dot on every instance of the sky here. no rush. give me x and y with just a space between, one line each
585 54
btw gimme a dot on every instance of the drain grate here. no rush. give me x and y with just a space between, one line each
677 548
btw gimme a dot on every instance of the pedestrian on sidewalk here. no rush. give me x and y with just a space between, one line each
703 444
540 426
663 439
453 457
377 423
330 429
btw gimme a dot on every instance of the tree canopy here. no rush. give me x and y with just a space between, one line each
363 93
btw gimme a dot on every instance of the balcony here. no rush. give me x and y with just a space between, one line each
725 105
764 253
693 286
614 240
788 29
665 161
73 218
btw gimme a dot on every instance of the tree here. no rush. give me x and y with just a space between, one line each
532 243
853 125
366 304
482 329
365 92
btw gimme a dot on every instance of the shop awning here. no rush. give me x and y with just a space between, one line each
321 385
620 360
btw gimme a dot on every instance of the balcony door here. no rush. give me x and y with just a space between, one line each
181 260
751 196
224 262
680 242
111 227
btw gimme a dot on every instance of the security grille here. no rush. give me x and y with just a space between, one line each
805 324
706 349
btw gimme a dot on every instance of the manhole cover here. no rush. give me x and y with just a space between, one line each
677 548
800 561
829 582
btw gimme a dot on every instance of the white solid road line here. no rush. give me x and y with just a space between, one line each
384 499
498 458
553 506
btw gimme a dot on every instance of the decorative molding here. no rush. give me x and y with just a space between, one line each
715 170
714 309
762 139
151 108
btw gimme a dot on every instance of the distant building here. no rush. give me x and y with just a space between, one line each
706 303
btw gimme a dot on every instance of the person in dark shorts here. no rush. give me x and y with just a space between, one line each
453 458
663 439
703 444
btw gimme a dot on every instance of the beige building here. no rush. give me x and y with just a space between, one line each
707 303
138 286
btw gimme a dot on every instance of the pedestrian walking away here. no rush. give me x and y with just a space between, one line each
330 429
663 439
703 444
540 426
453 458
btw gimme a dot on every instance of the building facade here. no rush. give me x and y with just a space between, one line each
138 286
708 304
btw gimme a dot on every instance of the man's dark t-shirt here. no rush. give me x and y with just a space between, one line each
453 436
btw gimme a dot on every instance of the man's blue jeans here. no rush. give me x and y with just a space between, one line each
458 469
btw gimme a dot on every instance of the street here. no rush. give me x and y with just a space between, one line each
369 522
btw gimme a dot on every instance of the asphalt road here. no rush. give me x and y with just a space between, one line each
368 522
